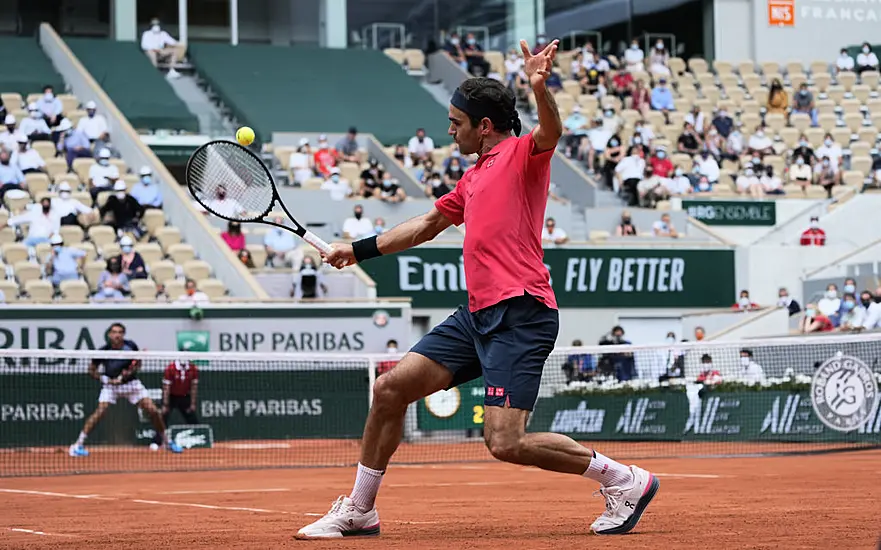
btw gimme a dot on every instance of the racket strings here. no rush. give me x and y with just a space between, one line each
230 182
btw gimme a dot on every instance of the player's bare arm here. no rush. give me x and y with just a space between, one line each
538 68
93 370
129 373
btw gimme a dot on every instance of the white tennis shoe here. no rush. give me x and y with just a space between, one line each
625 505
343 520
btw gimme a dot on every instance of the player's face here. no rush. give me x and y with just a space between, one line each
464 134
116 336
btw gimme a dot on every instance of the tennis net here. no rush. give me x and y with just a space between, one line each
747 397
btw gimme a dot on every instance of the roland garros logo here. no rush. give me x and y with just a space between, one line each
843 393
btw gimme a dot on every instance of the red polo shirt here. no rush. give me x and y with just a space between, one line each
813 237
502 201
180 378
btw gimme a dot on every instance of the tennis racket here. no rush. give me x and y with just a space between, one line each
229 170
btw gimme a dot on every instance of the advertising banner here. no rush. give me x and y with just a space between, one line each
713 212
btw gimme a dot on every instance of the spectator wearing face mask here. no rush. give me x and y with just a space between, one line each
698 121
830 303
192 296
815 320
678 184
35 127
634 57
93 124
751 371
113 284
846 312
67 207
233 236
477 64
744 303
801 174
146 192
803 102
541 42
637 141
873 312
708 167
813 235
844 62
281 247
778 99
453 48
42 221
391 191
64 262
787 301
26 159
622 85
641 98
723 123
708 376
122 211
830 150
9 135
613 153
715 146
223 205
336 185
661 165
850 286
132 262
803 151
158 45
73 144
689 142
308 282
302 162
662 98
760 143
853 312
659 59
102 175
369 179
454 172
734 145
382 367
513 66
642 135
828 176
325 158
626 227
435 187
245 257
651 189
866 59
420 146
748 184
358 226
629 173
574 128
379 226
50 107
664 227
551 235
590 77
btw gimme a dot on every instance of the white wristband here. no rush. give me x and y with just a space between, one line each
105 379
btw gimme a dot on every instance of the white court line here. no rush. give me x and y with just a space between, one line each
41 533
209 506
50 494
222 491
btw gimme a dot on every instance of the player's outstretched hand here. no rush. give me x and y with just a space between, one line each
340 255
538 67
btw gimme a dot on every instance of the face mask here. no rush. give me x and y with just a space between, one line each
810 312
456 154
114 268
748 173
625 220
637 141
472 41
512 56
120 195
103 162
678 172
127 249
35 115
634 47
803 93
704 185
358 215
849 289
827 142
783 301
671 339
542 40
221 196
661 154
877 299
848 306
744 301
756 161
803 143
155 28
91 114
454 168
659 45
744 361
11 129
146 180
454 41
435 182
609 114
866 303
335 178
865 49
48 96
760 134
800 161
832 294
47 207
57 248
386 183
825 163
391 350
696 170
64 195
815 225
843 54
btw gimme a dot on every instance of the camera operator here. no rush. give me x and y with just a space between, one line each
621 365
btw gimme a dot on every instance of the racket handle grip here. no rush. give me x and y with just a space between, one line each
317 242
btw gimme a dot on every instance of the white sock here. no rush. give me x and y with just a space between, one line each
608 472
81 439
366 486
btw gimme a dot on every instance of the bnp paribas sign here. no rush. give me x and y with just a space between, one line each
434 277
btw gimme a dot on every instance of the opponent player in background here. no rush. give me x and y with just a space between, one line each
510 325
120 379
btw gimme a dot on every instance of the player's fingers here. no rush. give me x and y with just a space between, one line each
552 45
525 49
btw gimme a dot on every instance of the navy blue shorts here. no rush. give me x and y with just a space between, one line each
507 343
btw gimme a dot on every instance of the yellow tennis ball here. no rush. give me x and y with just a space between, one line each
245 135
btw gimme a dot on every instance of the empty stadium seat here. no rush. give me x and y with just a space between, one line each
162 271
181 253
37 183
39 291
167 236
175 288
7 235
10 290
214 288
109 250
81 168
26 271
153 219
14 252
150 252
71 234
74 292
92 271
102 235
143 290
197 269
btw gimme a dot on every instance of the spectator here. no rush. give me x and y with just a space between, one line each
771 184
435 187
661 165
659 59
192 296
379 226
93 124
708 376
35 127
622 85
755 162
73 144
420 146
454 172
645 135
347 146
873 312
634 57
67 207
43 222
122 211
281 247
513 66
689 142
629 172
642 99
697 120
708 167
541 42
133 265
382 367
477 65
157 44
801 174
233 236
830 303
815 321
145 191
9 136
744 303
103 175
391 191
651 189
723 123
103 142
574 128
613 153
621 365
699 333
246 259
852 314
850 286
597 139
590 78
112 283
425 170
357 227
831 150
752 371
748 184
223 205
734 146
679 185
551 235
867 60
803 102
302 162
813 235
715 145
453 47
671 360
27 159
760 143
455 153
844 62
626 227
370 179
662 98
664 227
338 186
787 301
64 262
803 151
828 175
308 282
778 99
579 366
325 157
50 107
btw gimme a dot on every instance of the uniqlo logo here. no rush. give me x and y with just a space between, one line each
495 392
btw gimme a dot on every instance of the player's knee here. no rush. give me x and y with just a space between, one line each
503 446
386 394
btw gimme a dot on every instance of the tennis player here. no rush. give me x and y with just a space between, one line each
510 325
119 380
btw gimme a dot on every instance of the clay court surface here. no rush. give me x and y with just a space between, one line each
815 501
